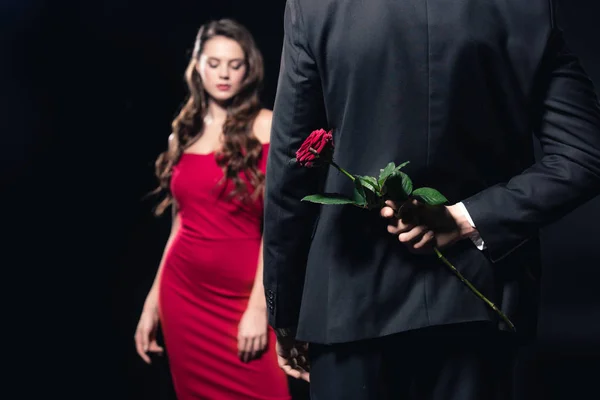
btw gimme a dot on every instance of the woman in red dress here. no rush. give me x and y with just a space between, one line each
208 293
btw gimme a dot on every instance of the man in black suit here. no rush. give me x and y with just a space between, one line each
457 89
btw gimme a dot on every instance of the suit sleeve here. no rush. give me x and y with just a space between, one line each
289 222
566 120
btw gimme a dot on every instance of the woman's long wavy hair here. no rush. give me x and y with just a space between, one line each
241 151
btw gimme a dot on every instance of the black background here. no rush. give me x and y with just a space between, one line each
88 92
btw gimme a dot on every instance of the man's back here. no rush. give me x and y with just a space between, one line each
430 82
452 87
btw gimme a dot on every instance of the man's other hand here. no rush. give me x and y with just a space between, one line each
292 357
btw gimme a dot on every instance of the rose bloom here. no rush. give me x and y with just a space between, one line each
317 147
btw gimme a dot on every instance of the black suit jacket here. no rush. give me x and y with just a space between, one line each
457 89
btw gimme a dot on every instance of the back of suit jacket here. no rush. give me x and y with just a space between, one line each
456 88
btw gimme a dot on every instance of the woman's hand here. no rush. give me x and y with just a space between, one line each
252 333
145 334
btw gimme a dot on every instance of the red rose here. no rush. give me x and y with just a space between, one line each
318 146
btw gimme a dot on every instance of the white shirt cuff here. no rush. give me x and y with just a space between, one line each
475 237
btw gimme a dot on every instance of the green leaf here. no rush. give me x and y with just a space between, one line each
389 171
429 196
328 198
407 184
399 167
369 182
360 197
385 173
398 186
374 200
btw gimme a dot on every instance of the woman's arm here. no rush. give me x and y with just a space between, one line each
253 329
152 298
262 130
257 296
145 333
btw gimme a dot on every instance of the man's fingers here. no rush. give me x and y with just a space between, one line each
300 373
291 371
302 360
305 376
286 364
391 204
413 234
426 239
297 373
422 243
417 225
281 361
293 361
387 212
406 215
303 363
399 227
293 352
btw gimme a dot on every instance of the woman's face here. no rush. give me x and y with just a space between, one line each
222 67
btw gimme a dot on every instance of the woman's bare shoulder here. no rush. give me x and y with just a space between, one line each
172 145
262 125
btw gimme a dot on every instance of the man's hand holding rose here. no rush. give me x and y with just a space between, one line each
421 227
